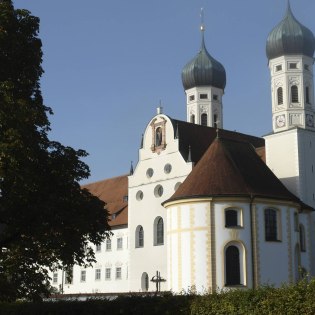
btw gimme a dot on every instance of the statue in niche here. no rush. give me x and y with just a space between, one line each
158 137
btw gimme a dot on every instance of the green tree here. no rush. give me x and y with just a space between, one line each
46 219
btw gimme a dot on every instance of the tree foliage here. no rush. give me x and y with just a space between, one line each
46 219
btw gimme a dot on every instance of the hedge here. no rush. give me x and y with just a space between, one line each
289 299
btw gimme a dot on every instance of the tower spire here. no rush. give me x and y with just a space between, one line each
202 27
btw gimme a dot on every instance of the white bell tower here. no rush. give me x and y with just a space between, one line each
290 148
204 81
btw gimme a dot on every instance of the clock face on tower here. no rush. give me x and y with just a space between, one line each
309 120
280 121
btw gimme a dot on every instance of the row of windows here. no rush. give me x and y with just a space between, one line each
108 245
203 96
204 119
294 95
68 278
167 170
158 236
235 264
233 219
158 191
292 66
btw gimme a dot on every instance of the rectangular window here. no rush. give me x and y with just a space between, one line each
191 98
278 68
231 218
98 247
55 277
83 276
98 274
306 67
271 225
119 243
118 273
107 273
292 65
296 222
203 96
108 244
215 97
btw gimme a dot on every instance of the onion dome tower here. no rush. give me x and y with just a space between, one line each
290 149
204 81
290 48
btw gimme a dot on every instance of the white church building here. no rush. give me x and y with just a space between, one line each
209 208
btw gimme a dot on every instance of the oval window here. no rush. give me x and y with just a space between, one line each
158 191
167 168
149 172
139 195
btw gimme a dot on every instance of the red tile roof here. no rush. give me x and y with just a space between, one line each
232 168
114 192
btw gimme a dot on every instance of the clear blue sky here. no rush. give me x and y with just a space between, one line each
108 63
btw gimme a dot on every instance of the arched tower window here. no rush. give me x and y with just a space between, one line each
280 95
232 266
192 119
294 94
158 229
204 119
139 236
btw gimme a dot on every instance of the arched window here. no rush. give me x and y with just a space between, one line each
271 225
280 95
192 119
144 282
158 231
302 238
294 94
158 136
204 119
232 266
231 218
139 236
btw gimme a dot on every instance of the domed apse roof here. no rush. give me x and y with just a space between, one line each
290 37
203 70
231 168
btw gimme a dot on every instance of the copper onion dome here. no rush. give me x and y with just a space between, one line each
203 70
290 37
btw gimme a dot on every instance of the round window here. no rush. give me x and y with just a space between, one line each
167 168
139 195
158 191
149 172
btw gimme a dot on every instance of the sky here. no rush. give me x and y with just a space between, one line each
109 63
